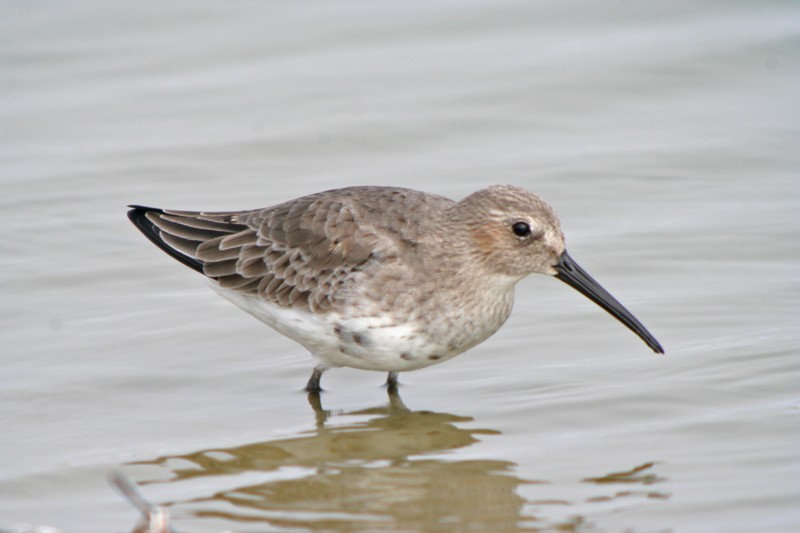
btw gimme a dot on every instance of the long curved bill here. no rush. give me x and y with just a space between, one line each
573 275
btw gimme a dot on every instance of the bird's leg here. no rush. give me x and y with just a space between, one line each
391 381
395 401
313 386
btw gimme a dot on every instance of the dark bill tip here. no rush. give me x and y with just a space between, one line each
573 275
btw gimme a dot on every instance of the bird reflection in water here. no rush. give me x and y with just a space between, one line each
383 468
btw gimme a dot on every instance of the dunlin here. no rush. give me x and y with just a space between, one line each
379 278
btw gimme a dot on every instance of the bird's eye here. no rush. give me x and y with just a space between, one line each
521 229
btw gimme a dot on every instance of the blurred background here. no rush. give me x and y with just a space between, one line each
664 133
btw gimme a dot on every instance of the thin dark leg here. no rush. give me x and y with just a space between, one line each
395 401
391 381
313 382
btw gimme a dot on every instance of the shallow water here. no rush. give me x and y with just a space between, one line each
664 134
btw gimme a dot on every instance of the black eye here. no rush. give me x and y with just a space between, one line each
521 229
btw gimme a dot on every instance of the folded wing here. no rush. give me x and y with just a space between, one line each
299 254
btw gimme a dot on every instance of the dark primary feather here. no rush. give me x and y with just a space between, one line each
138 215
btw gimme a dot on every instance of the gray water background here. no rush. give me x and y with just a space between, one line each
665 134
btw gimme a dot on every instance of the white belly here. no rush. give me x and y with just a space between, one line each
367 343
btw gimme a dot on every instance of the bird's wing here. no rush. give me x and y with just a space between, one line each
300 254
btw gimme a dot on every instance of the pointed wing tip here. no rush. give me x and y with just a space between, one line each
137 212
143 209
137 215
